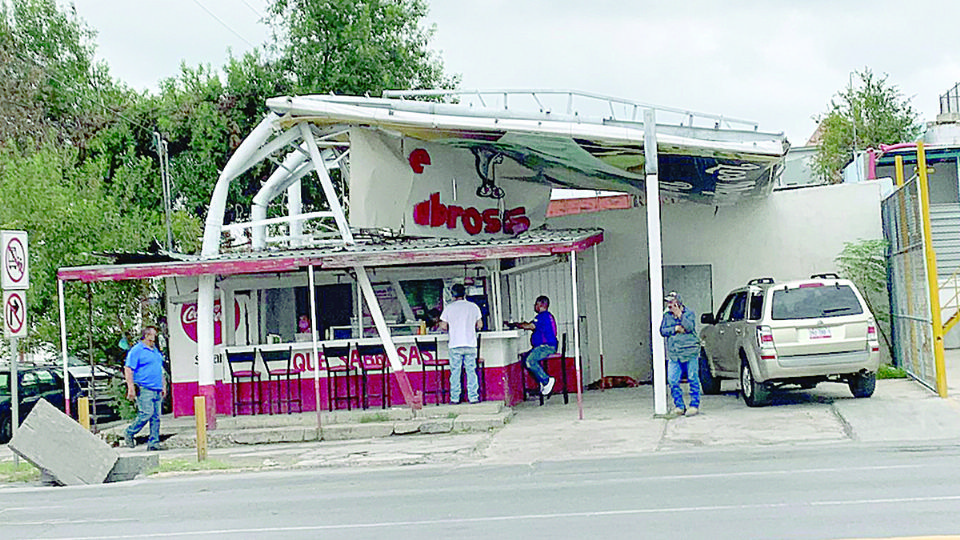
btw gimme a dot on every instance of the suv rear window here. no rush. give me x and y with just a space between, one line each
815 302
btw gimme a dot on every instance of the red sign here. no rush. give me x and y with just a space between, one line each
188 320
432 213
14 314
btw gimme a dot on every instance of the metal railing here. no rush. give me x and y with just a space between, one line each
582 105
950 307
950 101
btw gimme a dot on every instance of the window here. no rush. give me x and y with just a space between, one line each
724 312
46 381
815 302
739 310
30 384
756 306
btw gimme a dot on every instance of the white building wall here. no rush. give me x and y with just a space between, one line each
790 234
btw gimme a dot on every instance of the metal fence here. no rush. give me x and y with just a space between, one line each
909 290
950 102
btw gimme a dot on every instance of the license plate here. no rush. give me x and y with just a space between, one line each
820 333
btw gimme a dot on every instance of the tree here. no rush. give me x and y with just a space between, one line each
865 264
355 47
863 116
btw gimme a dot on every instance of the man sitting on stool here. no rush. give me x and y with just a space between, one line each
543 342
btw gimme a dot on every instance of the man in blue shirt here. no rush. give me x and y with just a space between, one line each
543 342
143 370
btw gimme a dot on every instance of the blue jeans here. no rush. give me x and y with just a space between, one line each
534 357
148 410
674 369
464 358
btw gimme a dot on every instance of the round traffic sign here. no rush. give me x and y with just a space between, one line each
14 313
15 260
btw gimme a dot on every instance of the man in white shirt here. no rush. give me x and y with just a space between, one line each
462 319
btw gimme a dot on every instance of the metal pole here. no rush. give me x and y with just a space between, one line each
576 332
14 393
932 280
655 261
596 286
93 374
63 347
316 347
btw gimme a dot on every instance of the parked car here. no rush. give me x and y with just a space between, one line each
96 384
772 334
35 382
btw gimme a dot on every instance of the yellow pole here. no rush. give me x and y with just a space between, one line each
83 412
899 168
200 414
932 281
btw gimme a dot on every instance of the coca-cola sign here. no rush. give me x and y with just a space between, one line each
188 320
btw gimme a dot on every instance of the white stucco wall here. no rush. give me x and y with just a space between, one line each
791 234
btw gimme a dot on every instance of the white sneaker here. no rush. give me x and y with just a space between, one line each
691 411
545 389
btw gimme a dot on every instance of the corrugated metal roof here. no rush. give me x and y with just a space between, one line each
381 251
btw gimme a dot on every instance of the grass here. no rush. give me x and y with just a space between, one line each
187 465
378 417
891 372
25 472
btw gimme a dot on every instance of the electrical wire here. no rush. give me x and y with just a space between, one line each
225 25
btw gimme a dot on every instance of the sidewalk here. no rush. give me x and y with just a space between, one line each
618 422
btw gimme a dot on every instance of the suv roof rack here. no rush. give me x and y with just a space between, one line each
761 281
825 275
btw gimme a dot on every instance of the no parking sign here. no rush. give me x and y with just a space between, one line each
14 314
15 274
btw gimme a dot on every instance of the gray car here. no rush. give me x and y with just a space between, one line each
771 334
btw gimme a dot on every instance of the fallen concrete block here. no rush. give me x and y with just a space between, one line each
128 466
57 445
406 427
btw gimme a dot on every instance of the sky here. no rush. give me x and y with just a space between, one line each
775 62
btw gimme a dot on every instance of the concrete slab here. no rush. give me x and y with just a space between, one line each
340 432
480 422
129 466
437 425
53 442
407 427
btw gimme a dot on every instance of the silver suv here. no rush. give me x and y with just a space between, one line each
803 332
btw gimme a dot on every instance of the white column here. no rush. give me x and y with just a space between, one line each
205 375
655 261
576 330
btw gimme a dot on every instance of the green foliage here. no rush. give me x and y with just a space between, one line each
118 392
355 46
865 264
868 115
891 372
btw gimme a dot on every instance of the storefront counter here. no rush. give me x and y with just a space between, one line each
498 358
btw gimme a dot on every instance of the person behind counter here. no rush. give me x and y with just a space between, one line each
543 343
463 319
303 325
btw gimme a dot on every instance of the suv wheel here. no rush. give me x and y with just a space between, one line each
709 383
754 394
862 385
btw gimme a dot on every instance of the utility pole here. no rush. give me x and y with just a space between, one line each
165 181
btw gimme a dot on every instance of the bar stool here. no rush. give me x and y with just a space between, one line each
242 367
282 369
439 367
561 356
373 360
335 371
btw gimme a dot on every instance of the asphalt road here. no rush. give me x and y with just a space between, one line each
815 491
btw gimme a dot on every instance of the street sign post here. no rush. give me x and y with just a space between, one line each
15 273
